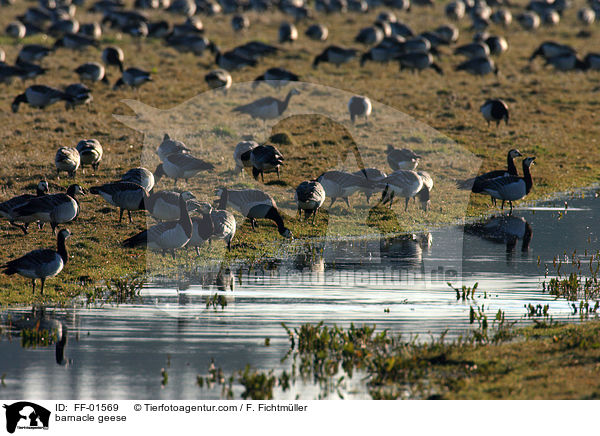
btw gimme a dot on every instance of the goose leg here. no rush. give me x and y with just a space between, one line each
229 244
129 215
120 214
54 226
197 251
347 202
314 216
175 183
253 223
33 286
42 291
278 178
332 201
406 200
300 214
262 176
22 227
503 201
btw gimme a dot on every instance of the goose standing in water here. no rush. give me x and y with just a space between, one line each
495 110
402 159
39 96
223 224
265 159
309 197
181 166
241 155
401 183
124 195
90 152
476 184
511 188
359 106
140 176
67 159
253 204
41 264
374 176
339 184
167 236
267 108
54 209
7 207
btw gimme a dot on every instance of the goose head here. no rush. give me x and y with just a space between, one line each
294 91
42 187
286 233
64 234
514 153
187 195
159 172
75 190
528 161
204 207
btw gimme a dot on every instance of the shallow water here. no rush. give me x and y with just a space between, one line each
398 284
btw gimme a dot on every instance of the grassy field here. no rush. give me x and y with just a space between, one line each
553 117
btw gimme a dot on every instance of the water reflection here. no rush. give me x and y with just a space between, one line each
504 229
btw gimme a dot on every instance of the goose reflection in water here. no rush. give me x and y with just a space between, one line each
504 229
405 250
310 258
37 321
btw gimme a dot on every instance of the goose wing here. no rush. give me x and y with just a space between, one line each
35 260
256 105
8 206
310 191
187 162
42 205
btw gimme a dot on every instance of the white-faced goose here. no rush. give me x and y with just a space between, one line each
339 184
241 155
473 50
359 106
510 188
455 10
335 55
476 184
231 61
495 110
502 17
276 77
478 66
164 205
253 204
90 152
54 209
124 195
77 94
67 159
550 18
549 49
369 36
401 183
497 45
187 8
222 223
529 20
60 28
267 108
191 26
239 22
418 62
76 42
374 176
133 77
167 236
265 159
16 29
39 96
41 264
402 159
309 197
113 56
448 33
219 79
7 207
181 166
586 16
33 53
287 33
140 176
92 71
93 30
169 146
317 32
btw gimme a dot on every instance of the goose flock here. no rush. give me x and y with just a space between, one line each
183 219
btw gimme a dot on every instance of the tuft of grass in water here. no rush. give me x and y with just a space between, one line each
258 385
36 337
